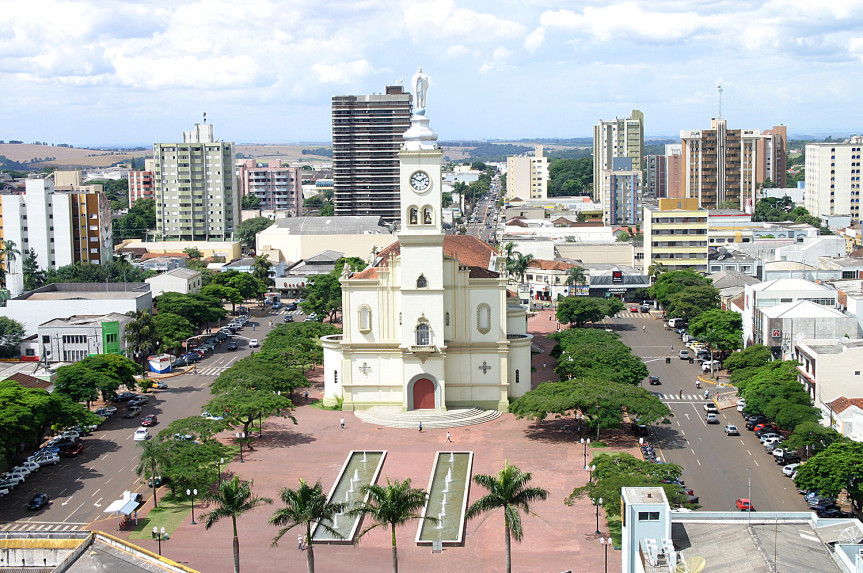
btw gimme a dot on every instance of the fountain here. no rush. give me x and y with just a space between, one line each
361 468
448 490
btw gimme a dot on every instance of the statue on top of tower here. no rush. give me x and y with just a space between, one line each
421 86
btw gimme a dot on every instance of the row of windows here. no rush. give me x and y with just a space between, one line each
423 330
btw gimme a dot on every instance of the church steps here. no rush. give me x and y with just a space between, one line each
395 417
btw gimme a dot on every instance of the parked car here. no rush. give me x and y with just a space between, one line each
711 418
291 306
72 450
31 466
277 305
743 504
654 381
683 354
132 412
633 308
789 458
789 470
769 436
10 482
149 420
179 363
138 401
253 343
765 428
232 346
160 385
22 470
740 405
711 407
159 481
289 318
124 397
106 411
832 513
39 501
142 435
45 459
4 491
731 430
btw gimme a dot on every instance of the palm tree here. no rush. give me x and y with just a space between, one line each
233 499
8 253
508 250
519 265
141 336
152 460
303 506
391 506
575 276
507 490
655 269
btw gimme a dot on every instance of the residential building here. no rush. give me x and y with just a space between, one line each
527 176
780 291
658 539
229 250
675 234
622 191
851 300
833 172
777 327
674 187
811 249
292 284
297 238
830 369
181 280
367 136
429 324
656 177
722 259
846 417
77 337
278 187
46 303
142 184
196 191
722 165
620 137
62 226
164 263
545 280
731 284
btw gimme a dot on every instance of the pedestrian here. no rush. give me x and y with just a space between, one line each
300 541
643 328
307 395
680 394
342 422
448 439
543 364
421 426
672 348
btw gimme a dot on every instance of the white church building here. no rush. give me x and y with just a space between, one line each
429 324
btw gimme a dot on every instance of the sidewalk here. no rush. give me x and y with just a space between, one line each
540 326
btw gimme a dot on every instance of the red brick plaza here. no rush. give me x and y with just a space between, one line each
558 538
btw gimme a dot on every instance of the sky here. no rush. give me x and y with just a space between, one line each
135 72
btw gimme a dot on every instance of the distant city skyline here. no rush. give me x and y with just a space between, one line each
137 73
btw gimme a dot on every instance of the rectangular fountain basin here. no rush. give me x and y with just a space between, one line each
447 499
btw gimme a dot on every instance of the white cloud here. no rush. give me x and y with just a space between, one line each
442 19
343 72
534 40
498 61
626 20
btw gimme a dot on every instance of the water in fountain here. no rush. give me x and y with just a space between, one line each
335 521
347 496
356 475
451 458
440 521
443 508
444 499
449 475
364 457
352 488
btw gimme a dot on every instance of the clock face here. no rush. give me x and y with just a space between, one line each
420 181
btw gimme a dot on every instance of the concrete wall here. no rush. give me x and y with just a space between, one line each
292 248
32 313
610 253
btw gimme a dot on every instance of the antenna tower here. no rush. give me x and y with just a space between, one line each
719 89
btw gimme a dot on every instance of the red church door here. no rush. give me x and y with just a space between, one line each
423 394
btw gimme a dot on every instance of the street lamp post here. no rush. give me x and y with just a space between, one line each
597 503
192 493
220 462
590 471
159 534
585 443
606 542
240 437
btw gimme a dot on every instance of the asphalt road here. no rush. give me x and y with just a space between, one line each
717 467
484 215
81 488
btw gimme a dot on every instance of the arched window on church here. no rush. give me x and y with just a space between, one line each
517 376
423 334
446 319
335 376
483 318
365 318
422 282
427 215
413 215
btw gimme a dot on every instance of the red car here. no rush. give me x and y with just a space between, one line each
633 309
149 420
744 504
72 450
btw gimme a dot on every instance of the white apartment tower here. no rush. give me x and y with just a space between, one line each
613 139
527 177
196 191
833 178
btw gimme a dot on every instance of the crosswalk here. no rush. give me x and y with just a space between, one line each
630 314
285 311
40 526
211 370
676 397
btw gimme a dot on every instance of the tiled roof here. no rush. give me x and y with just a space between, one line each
842 403
149 256
27 381
547 265
468 250
516 222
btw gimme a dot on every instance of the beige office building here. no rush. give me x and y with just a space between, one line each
527 176
675 234
833 178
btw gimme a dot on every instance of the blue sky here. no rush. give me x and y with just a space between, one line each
134 72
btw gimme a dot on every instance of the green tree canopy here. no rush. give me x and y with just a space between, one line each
172 331
197 308
568 177
243 405
117 271
323 293
101 374
250 202
580 310
243 282
835 470
812 437
691 301
247 230
11 334
34 277
773 390
224 293
668 283
742 364
137 222
142 338
721 329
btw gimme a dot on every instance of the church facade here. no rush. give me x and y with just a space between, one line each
429 324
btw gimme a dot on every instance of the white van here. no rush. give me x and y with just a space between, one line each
142 435
675 322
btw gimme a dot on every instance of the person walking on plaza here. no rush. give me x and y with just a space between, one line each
342 423
421 426
300 541
448 439
643 328
680 394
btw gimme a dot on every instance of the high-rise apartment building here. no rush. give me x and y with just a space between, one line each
62 226
617 138
621 203
277 187
367 136
833 172
142 184
655 176
196 192
726 166
527 176
675 234
673 170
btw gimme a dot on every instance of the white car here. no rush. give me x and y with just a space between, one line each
789 470
740 405
768 436
3 492
45 459
32 466
15 476
253 343
142 435
21 470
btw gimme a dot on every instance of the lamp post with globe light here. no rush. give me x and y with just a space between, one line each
606 543
585 444
192 493
159 534
597 503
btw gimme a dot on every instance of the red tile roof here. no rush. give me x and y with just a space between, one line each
468 250
842 403
27 381
547 265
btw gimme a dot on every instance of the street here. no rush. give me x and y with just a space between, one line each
717 467
81 487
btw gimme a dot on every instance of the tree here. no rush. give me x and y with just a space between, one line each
194 253
835 470
323 293
233 499
691 301
568 177
721 329
243 405
11 334
247 230
517 267
446 199
812 437
580 310
172 331
34 277
137 222
655 269
261 271
142 337
115 271
575 276
508 491
83 384
741 364
509 255
671 282
151 459
327 210
8 254
242 282
391 506
250 202
199 309
224 293
304 506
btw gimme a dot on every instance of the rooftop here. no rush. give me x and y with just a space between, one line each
842 403
802 309
86 291
728 279
345 225
181 272
468 250
780 285
85 320
831 346
547 265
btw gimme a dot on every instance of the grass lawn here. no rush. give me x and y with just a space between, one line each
170 514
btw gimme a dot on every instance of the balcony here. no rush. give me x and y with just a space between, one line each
423 349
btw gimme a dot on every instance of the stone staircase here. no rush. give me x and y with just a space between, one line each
395 417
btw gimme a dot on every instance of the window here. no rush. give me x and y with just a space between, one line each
446 319
422 282
46 339
517 376
427 215
335 376
483 318
423 334
648 516
413 215
111 338
365 318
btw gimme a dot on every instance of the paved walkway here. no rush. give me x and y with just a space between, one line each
560 538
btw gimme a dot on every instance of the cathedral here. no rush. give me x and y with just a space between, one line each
429 324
